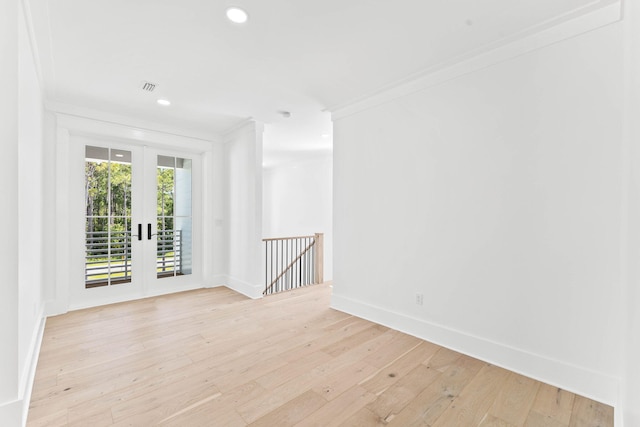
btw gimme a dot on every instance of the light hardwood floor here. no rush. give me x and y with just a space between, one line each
215 358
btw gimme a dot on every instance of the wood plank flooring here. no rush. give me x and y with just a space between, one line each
212 357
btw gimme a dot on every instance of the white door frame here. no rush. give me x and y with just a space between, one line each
152 285
73 133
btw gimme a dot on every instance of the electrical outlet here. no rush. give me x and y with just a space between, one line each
419 299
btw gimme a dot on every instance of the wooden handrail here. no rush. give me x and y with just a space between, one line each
291 264
287 238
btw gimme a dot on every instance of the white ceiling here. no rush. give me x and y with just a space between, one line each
300 56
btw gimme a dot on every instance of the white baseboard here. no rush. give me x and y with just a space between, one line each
245 288
171 290
14 413
594 385
11 413
217 281
29 374
619 418
55 308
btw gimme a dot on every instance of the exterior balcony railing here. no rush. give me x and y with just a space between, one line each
108 256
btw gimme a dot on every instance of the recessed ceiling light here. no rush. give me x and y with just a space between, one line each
164 102
237 15
119 155
325 135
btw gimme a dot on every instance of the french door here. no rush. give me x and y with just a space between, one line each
141 222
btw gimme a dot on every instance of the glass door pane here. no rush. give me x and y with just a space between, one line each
174 217
108 216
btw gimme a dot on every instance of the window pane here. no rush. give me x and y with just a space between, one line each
174 216
183 188
183 246
120 189
165 191
108 216
165 251
183 216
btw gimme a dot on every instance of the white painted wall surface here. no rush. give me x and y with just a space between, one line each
21 301
631 376
297 201
30 207
216 182
49 203
497 195
244 210
9 410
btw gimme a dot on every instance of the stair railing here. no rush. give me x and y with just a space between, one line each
293 262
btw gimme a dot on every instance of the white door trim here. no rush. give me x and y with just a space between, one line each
73 131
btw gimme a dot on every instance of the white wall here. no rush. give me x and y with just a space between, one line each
631 376
216 182
49 203
30 207
21 301
9 410
244 210
497 195
297 201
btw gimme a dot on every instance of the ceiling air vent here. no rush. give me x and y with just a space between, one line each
148 86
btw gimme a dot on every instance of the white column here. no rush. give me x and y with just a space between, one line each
244 209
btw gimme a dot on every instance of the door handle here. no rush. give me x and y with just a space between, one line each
149 234
139 235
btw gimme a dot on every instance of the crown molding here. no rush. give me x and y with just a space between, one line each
141 127
595 15
228 133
